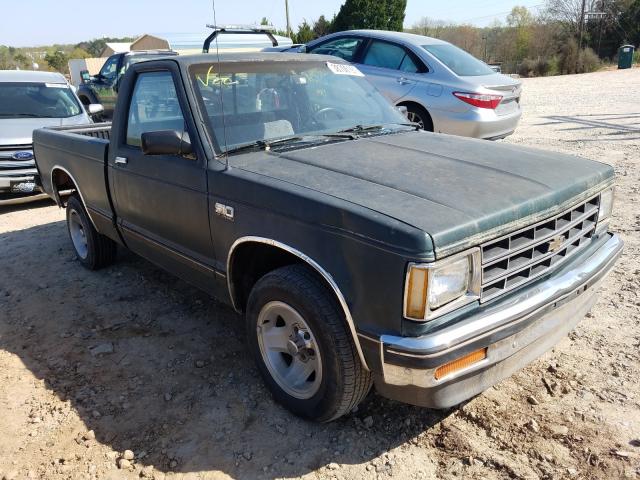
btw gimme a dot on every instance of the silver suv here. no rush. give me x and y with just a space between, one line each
31 100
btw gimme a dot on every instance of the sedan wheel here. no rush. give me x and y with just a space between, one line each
416 118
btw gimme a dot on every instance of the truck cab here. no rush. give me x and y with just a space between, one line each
103 87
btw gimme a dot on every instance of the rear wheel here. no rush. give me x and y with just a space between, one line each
94 250
299 339
419 115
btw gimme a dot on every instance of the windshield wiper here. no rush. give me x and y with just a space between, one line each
264 144
361 129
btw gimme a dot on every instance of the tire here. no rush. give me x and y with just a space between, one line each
332 380
417 114
94 250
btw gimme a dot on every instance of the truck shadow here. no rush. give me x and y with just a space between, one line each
153 365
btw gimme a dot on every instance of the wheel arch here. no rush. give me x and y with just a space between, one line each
63 180
284 255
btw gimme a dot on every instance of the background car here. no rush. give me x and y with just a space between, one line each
103 87
444 88
31 100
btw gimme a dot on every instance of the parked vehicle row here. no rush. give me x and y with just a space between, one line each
31 100
362 251
444 88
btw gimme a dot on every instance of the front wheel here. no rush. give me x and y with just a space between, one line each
92 249
299 339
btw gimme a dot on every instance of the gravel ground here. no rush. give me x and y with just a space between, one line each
128 372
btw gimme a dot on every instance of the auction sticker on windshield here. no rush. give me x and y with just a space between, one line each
343 69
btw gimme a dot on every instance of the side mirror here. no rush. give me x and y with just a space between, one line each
166 142
86 77
302 49
95 108
403 110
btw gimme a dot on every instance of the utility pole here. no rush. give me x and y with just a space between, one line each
580 27
286 8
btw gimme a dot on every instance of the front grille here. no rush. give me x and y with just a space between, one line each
521 256
7 151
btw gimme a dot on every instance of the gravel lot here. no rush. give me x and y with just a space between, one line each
129 358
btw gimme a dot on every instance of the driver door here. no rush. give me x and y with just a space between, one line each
161 200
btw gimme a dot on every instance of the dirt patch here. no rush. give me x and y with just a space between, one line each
129 358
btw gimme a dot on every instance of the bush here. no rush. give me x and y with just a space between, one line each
636 56
526 68
534 68
554 67
573 61
589 61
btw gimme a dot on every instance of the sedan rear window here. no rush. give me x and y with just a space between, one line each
37 100
459 62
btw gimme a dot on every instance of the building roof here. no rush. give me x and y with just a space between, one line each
28 76
119 47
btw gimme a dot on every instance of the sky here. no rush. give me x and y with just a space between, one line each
44 22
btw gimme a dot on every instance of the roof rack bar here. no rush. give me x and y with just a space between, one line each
238 29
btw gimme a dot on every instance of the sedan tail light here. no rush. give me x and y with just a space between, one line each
480 100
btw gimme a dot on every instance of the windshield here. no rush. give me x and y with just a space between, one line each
37 100
459 61
268 100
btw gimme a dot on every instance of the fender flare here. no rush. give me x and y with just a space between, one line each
315 266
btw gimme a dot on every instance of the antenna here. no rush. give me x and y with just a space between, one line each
224 123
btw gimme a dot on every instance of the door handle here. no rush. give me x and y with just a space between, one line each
403 81
121 161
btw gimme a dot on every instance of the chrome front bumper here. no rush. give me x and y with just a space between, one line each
515 331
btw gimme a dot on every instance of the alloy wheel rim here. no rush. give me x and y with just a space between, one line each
78 236
415 118
289 350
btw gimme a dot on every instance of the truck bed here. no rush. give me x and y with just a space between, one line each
72 156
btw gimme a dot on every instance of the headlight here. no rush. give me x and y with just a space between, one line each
433 289
606 204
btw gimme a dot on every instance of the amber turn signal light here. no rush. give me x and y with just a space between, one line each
460 363
416 302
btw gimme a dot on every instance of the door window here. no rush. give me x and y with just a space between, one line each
388 55
344 47
110 67
154 106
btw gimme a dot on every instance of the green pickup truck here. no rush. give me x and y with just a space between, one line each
360 250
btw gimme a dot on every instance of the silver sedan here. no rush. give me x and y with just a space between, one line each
444 88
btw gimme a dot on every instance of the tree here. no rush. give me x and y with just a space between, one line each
374 14
21 60
79 53
321 27
304 34
521 19
58 61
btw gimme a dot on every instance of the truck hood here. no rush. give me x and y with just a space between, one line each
460 191
18 131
